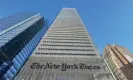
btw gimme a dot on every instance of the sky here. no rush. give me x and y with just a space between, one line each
108 21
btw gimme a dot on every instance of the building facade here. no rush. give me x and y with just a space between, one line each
19 35
120 61
66 52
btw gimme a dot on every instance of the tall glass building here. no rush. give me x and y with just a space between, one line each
66 52
19 35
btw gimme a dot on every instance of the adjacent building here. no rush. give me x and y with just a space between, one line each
19 35
120 61
66 52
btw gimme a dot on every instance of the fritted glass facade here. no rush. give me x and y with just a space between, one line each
66 52
18 38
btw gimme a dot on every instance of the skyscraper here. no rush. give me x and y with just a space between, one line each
120 61
66 52
19 35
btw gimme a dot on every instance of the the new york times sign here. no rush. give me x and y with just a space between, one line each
63 66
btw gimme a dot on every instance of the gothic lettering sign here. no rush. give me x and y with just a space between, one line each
63 66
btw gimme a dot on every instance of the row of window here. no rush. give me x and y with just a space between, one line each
79 26
66 42
67 45
82 29
64 54
68 39
66 49
69 36
52 31
67 32
64 26
67 29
